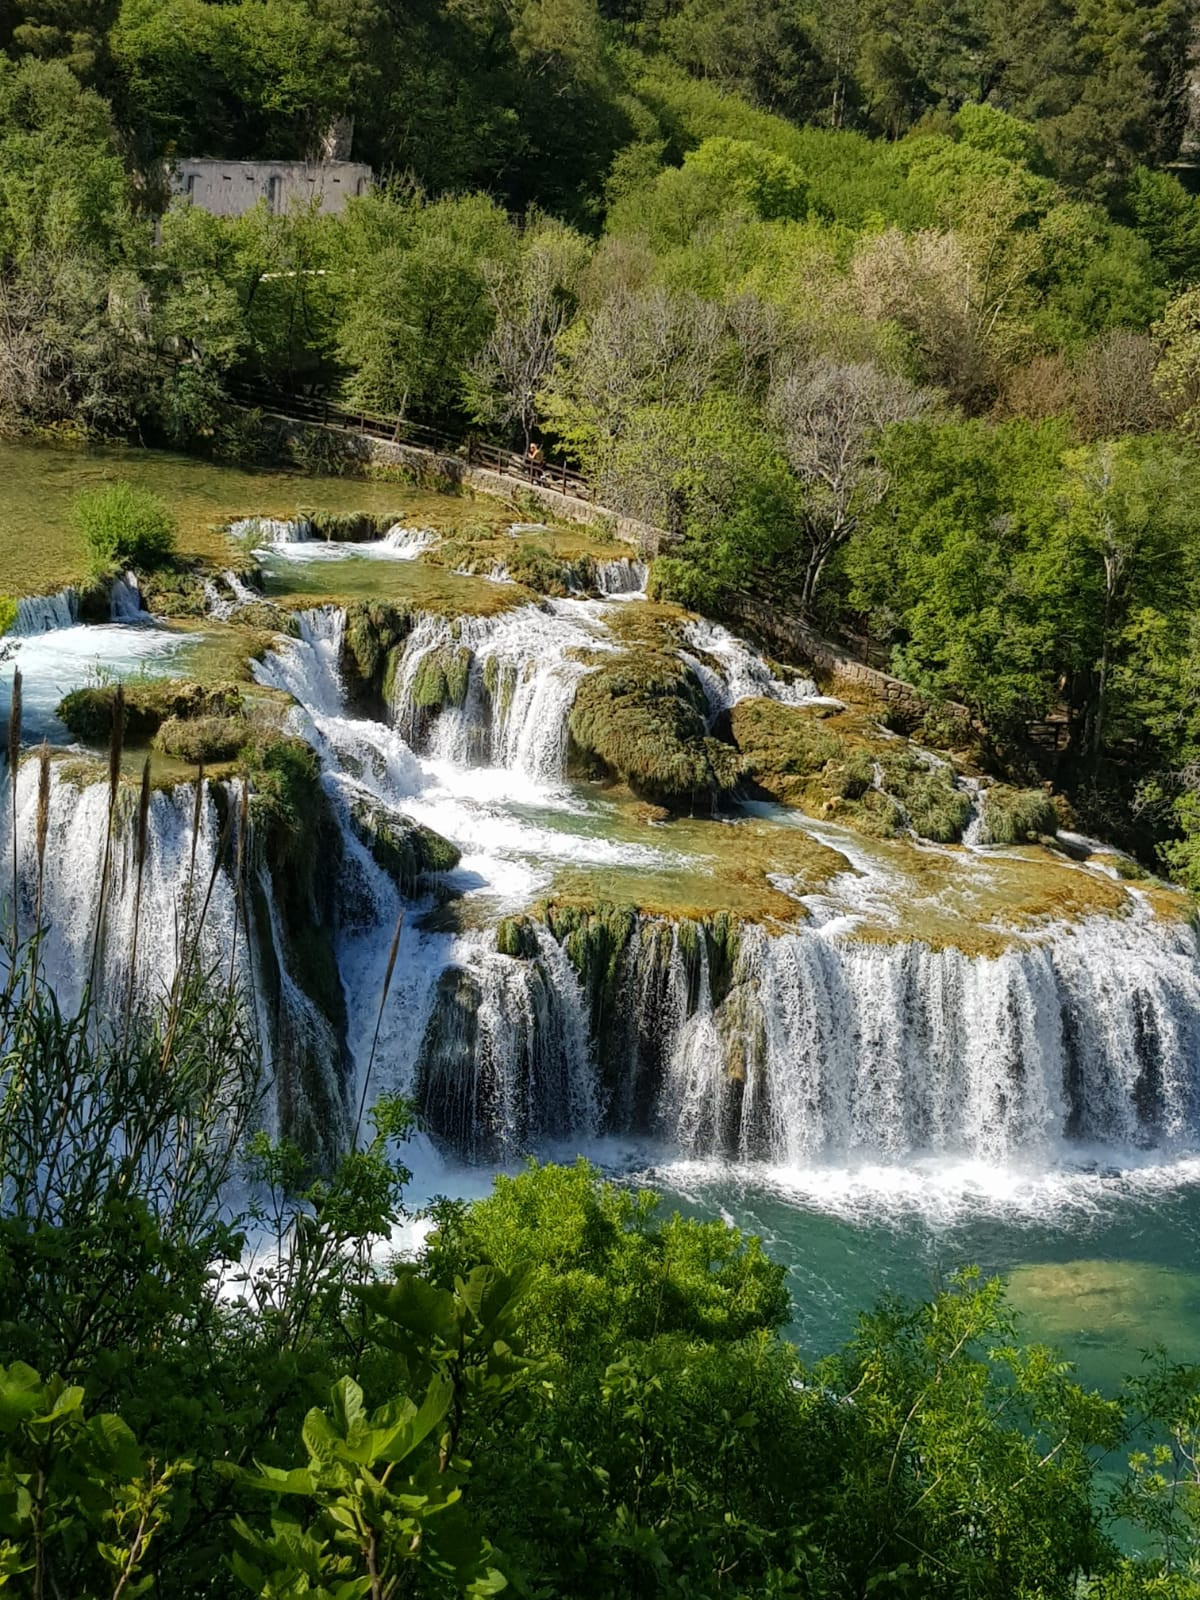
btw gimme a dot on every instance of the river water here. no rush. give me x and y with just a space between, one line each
911 1058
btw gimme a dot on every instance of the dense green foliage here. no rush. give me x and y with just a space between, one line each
123 526
885 313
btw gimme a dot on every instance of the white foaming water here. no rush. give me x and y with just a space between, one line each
398 544
222 603
184 902
43 613
267 532
406 544
521 672
624 579
54 663
733 671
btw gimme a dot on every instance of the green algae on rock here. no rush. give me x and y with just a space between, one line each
1018 816
88 713
640 717
204 739
404 848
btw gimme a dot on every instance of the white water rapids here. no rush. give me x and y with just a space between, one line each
806 1048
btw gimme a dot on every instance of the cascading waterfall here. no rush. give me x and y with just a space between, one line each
623 578
184 902
803 1044
729 670
42 613
263 532
505 1061
406 544
125 600
834 1048
516 677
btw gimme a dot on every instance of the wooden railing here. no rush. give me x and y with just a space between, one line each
466 446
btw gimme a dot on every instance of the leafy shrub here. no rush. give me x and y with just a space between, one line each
123 526
8 613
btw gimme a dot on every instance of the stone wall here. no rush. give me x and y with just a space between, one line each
367 450
231 188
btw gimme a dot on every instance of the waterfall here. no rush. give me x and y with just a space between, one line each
310 675
505 1060
125 600
825 1048
262 532
406 544
302 1056
729 670
624 578
42 613
516 680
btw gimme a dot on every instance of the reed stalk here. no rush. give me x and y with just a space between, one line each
14 761
143 834
43 829
116 745
387 984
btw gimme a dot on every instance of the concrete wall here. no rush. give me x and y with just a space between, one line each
231 188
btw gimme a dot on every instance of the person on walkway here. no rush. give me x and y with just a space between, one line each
537 461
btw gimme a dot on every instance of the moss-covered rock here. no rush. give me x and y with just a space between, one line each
936 807
87 714
640 717
351 527
175 592
837 766
517 937
785 747
405 849
1018 816
442 678
202 739
374 630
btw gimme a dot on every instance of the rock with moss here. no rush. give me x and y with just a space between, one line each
87 714
545 573
405 849
640 717
202 739
517 937
442 678
935 806
785 747
374 630
351 527
1018 816
175 592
